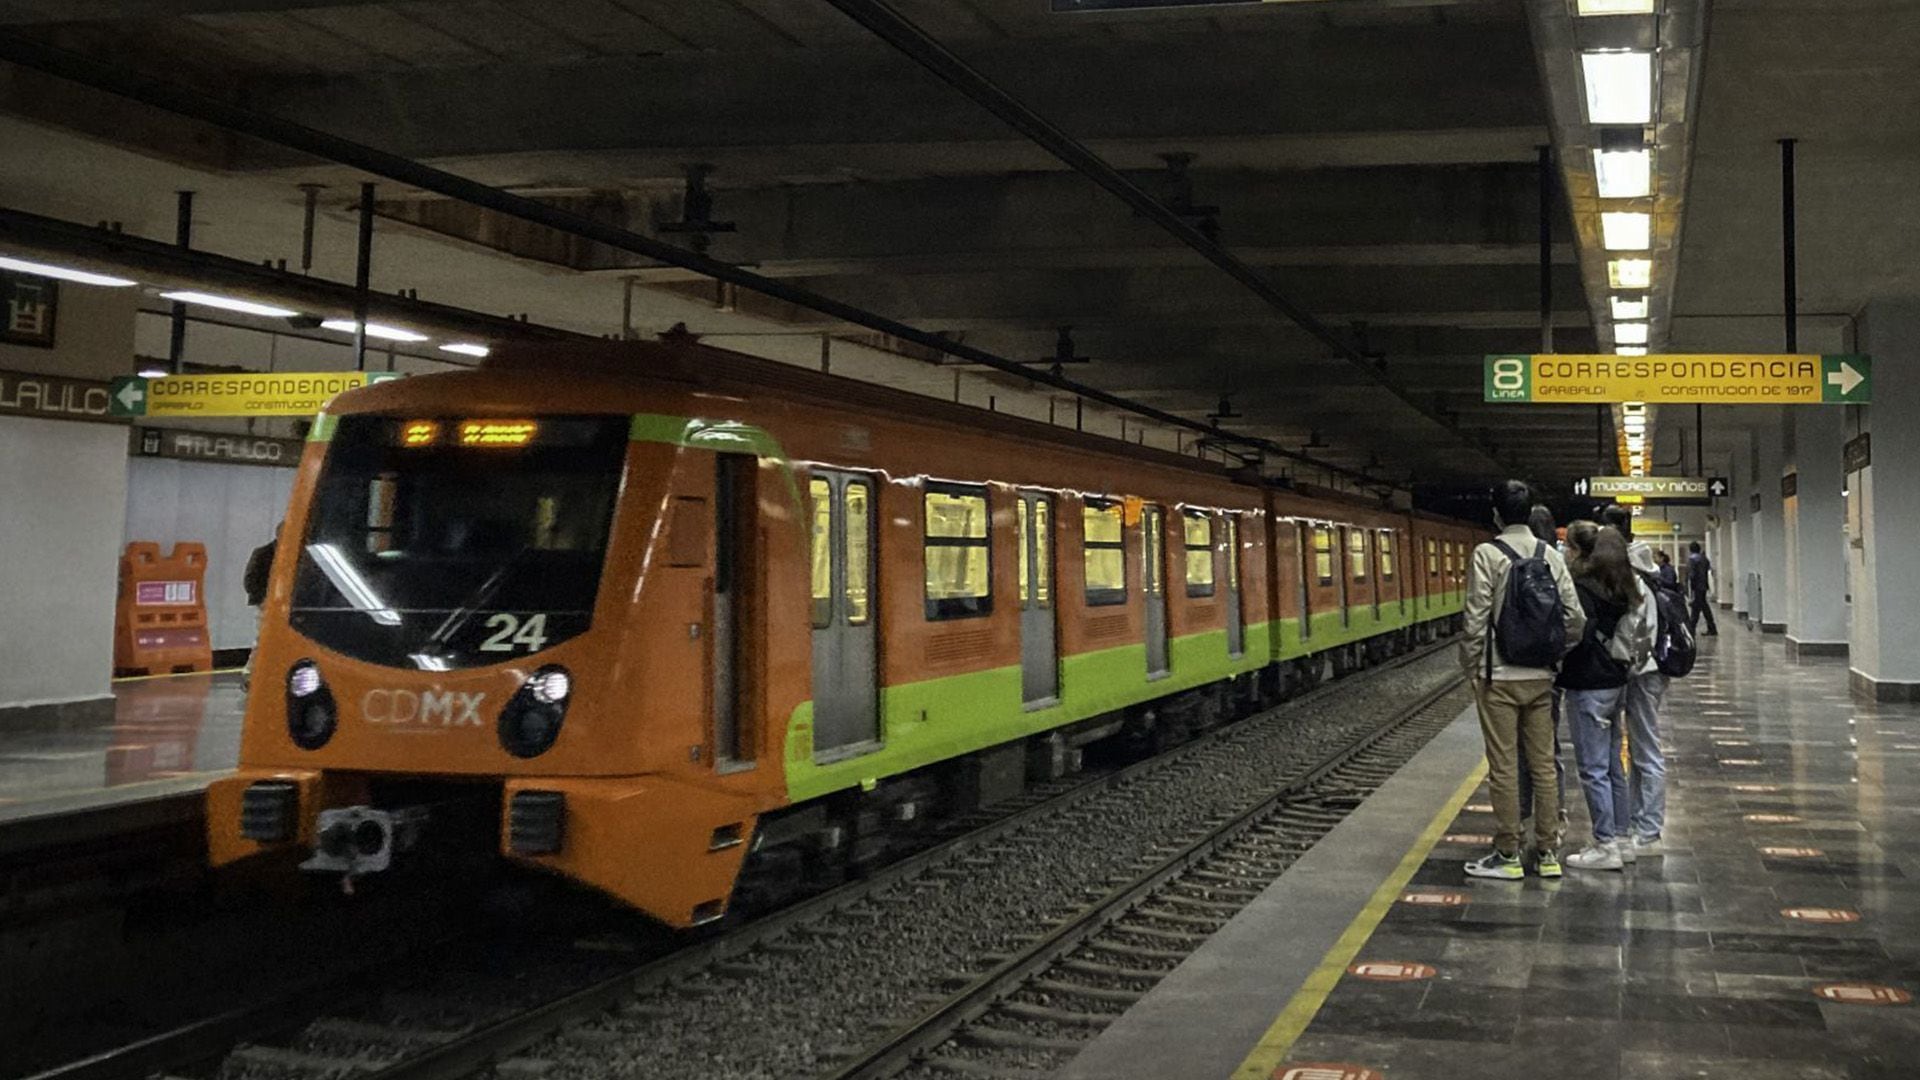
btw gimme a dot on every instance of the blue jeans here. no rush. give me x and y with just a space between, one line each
1595 723
1645 694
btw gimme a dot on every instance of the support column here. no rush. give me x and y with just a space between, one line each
1886 582
1770 535
1815 518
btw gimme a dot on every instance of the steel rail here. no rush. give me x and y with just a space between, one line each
124 81
900 1049
903 34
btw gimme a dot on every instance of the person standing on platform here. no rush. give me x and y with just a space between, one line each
1668 576
1593 683
1521 615
1540 521
1699 587
258 573
1646 694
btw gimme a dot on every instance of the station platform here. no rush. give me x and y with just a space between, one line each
1778 936
169 736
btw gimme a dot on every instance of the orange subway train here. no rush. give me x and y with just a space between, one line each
688 626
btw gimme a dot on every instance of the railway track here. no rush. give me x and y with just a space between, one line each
500 1007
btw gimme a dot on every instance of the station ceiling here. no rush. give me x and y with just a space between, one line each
1374 160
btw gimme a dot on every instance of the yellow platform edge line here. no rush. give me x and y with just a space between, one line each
1273 1047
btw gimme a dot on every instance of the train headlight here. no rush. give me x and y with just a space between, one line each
530 723
311 716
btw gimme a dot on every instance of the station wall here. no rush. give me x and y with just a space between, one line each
62 499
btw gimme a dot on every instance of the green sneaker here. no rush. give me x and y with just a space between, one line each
1497 864
1547 865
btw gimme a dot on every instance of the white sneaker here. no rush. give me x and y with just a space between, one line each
1595 857
1624 848
1648 847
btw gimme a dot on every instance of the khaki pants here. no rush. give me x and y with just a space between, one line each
1516 718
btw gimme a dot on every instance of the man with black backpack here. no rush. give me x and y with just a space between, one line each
1672 657
1522 616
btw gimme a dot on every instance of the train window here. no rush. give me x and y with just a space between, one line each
1386 555
1433 558
1357 552
445 556
1233 551
822 495
1198 535
958 552
1323 554
858 502
1042 551
1105 554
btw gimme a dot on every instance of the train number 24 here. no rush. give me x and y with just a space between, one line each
509 633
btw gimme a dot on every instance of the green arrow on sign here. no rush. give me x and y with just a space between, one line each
1846 380
128 396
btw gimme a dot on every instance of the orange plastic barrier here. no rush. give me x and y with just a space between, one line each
160 622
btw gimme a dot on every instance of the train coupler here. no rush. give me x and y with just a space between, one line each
357 840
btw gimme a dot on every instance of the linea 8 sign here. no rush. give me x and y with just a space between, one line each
1509 378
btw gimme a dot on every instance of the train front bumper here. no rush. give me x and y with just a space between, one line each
669 847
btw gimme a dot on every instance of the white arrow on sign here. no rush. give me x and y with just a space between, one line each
130 396
1717 489
1846 378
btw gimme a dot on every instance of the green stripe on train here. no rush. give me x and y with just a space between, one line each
937 719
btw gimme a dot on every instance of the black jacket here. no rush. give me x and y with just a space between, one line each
1587 666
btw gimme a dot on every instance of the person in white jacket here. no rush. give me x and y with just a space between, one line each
1593 682
1645 697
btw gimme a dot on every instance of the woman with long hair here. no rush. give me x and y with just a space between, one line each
1593 679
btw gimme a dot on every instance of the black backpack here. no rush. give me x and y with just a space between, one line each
1532 628
1674 649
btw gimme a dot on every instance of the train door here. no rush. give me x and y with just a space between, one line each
846 698
1344 574
1236 625
1153 555
1308 538
734 514
1039 651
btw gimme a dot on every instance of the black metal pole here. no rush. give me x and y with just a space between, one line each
1700 438
306 226
1789 268
183 239
362 274
1546 249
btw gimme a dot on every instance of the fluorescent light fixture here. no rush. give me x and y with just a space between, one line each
1637 472
1617 7
1630 273
229 303
375 330
1619 87
1636 440
153 371
1631 350
1623 174
1630 333
1625 307
1634 422
83 277
1626 230
465 348
1633 407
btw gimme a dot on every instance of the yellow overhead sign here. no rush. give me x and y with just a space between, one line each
1681 379
281 393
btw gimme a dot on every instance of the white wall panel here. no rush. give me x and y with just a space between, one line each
62 494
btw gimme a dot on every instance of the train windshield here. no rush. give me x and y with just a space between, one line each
442 543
